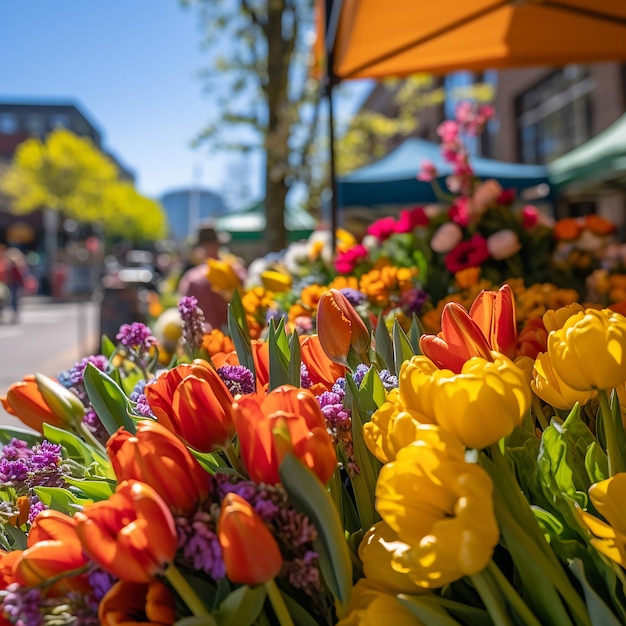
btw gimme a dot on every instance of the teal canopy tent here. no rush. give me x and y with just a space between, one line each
393 179
600 162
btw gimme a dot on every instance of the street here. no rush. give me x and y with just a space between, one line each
49 338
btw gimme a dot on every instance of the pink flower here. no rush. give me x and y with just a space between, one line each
472 253
530 216
382 228
459 212
446 238
428 172
485 196
347 260
448 131
503 244
410 219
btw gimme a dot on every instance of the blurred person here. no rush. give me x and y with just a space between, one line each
195 281
15 274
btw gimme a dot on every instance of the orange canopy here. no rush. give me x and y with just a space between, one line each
382 38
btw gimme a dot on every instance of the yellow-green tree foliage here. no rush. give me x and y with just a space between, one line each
69 174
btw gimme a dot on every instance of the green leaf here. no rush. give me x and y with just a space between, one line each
278 347
75 448
108 400
93 489
371 394
309 496
61 499
384 346
300 616
599 612
596 463
402 349
295 360
9 432
19 537
426 612
415 332
198 620
238 329
241 606
239 315
107 347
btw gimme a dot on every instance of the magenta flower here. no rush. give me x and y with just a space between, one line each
428 171
410 219
472 253
459 212
347 260
382 228
530 216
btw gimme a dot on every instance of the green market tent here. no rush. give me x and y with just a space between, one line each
249 224
600 162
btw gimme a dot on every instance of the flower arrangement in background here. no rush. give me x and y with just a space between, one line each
338 476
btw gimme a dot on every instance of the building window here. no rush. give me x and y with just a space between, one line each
59 120
8 123
554 116
35 125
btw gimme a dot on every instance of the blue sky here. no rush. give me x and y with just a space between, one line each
131 66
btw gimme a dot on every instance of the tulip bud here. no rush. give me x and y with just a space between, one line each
125 601
250 552
341 329
26 401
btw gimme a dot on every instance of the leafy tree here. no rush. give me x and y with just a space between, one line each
260 86
68 174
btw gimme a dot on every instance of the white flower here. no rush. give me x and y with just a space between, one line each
446 237
503 244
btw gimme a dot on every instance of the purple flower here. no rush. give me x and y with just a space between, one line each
138 396
200 545
21 605
136 336
354 296
100 582
238 379
193 322
305 379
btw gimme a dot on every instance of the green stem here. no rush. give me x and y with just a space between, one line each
492 599
512 597
86 434
278 604
185 591
613 451
234 460
538 412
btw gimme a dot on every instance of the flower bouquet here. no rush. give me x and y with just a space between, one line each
346 476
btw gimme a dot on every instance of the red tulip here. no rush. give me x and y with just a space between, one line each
288 419
126 604
53 549
159 458
250 552
131 535
192 401
494 312
322 371
341 329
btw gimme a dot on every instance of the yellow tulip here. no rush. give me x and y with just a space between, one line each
370 606
589 351
276 281
609 498
551 389
391 428
222 276
376 551
483 403
442 508
554 319
416 386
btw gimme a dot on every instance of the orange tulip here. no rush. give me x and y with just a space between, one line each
7 567
26 402
126 604
250 552
460 339
494 312
53 548
533 338
288 419
192 401
131 535
341 329
159 458
322 371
